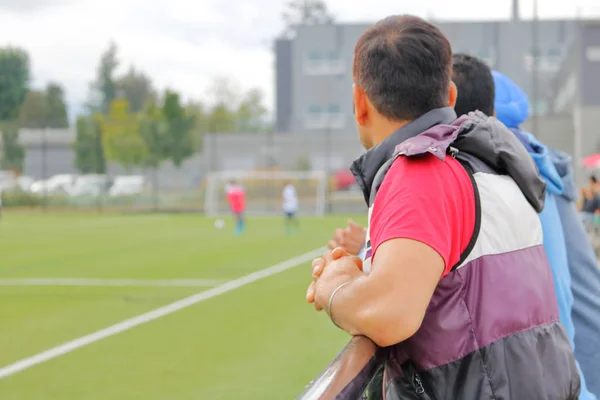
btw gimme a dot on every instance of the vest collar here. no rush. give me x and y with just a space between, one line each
366 166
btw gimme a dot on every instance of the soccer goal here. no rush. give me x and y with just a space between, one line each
264 191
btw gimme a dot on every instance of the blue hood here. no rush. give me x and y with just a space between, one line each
512 109
542 156
511 104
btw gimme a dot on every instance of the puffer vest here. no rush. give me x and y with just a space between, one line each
492 328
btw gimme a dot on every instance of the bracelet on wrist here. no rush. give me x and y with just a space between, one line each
329 312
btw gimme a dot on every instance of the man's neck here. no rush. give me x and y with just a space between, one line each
385 128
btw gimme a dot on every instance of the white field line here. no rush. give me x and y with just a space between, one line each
110 282
128 324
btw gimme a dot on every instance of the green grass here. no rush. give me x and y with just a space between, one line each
260 341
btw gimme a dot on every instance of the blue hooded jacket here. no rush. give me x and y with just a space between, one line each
585 276
512 109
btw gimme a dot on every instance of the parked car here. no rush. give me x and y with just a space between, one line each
57 184
127 186
90 185
24 183
344 180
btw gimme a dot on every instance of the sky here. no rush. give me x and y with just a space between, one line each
186 45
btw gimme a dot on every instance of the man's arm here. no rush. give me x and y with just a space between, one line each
389 305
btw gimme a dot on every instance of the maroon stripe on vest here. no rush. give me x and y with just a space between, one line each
488 299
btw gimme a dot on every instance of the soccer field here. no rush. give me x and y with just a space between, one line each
64 277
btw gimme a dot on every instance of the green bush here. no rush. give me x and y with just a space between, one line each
19 198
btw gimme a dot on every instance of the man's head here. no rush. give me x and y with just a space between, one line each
475 85
401 71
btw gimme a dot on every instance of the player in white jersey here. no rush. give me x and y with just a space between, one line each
290 207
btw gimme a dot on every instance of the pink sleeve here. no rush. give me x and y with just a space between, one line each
427 200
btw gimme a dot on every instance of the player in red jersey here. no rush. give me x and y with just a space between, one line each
236 195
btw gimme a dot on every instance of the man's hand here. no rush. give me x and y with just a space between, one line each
330 271
350 239
389 304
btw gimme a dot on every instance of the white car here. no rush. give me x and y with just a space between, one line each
25 183
89 185
127 186
57 184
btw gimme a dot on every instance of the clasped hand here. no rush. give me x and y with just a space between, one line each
335 268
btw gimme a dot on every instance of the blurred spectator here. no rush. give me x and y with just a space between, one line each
494 93
590 201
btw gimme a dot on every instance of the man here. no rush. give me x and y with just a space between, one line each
456 281
578 286
479 90
590 201
290 207
236 195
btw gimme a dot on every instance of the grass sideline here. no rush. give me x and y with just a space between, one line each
257 342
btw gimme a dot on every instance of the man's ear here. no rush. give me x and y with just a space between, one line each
452 95
494 114
361 111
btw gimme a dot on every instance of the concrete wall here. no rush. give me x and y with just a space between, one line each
242 151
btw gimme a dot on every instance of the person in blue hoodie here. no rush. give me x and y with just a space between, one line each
574 269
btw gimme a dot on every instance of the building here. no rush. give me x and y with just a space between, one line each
314 68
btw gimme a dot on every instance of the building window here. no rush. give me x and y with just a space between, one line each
548 60
315 56
328 117
539 108
314 110
324 63
554 52
592 53
336 119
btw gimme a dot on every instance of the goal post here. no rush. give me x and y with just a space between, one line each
264 191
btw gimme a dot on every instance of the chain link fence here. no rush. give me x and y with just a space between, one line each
51 181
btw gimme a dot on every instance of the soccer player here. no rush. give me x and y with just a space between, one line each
290 207
236 195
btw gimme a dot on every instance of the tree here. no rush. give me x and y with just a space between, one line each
104 88
14 79
251 112
44 109
13 153
56 107
34 110
154 129
222 119
223 115
89 154
180 143
121 137
197 111
306 12
136 88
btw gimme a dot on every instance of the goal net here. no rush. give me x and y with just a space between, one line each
264 191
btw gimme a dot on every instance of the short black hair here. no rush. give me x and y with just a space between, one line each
475 84
403 64
593 179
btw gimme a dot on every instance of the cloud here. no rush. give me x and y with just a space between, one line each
185 44
180 44
30 5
